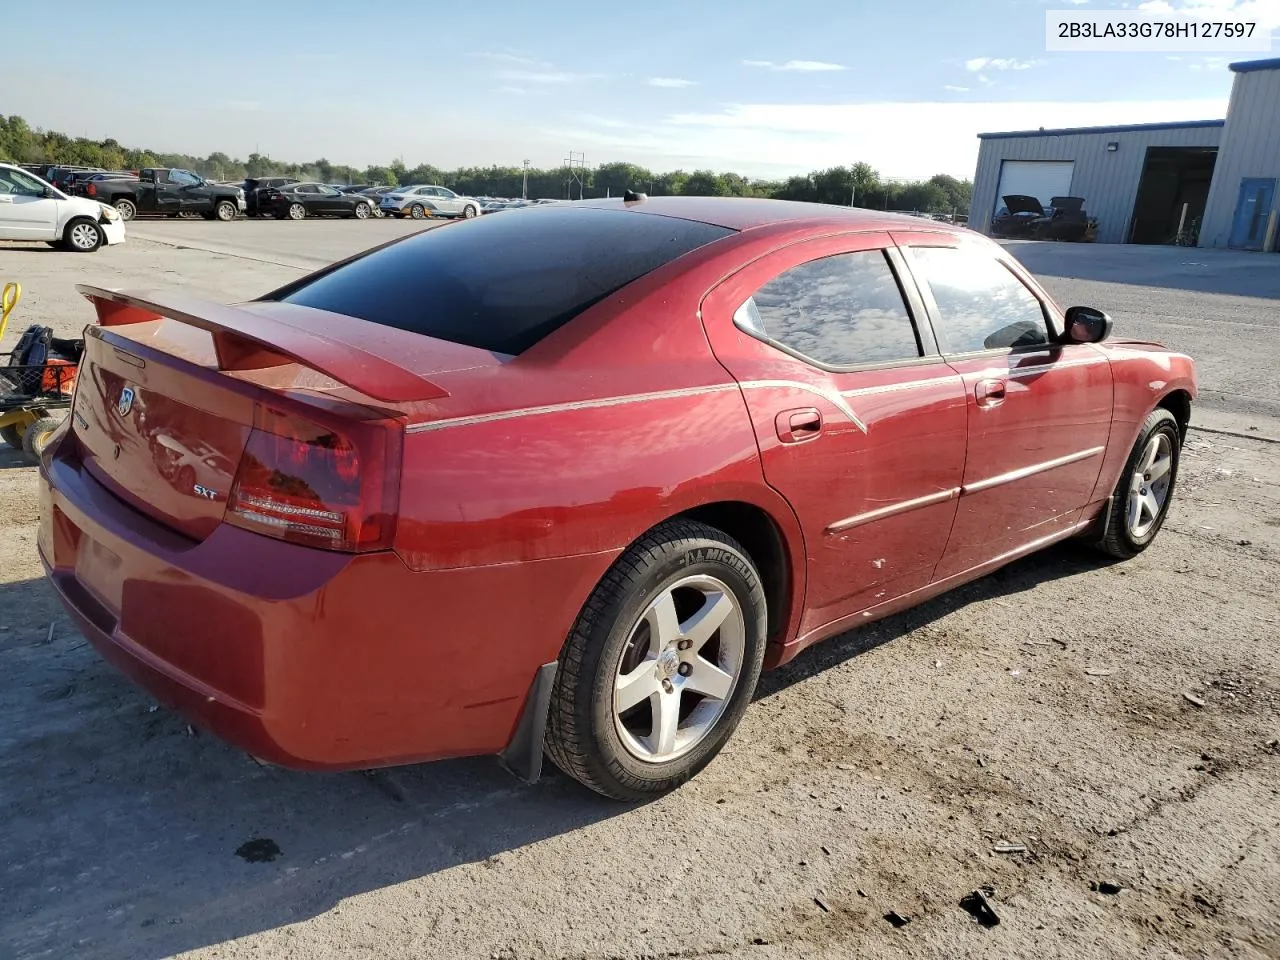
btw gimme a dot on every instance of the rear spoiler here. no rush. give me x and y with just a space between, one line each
250 341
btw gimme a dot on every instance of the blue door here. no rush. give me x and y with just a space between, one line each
1249 229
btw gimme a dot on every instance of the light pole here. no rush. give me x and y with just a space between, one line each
524 190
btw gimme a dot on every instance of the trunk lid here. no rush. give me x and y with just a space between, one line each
169 388
162 438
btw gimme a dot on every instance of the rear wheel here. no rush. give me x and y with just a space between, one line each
83 236
37 437
126 208
1141 499
417 211
660 666
297 211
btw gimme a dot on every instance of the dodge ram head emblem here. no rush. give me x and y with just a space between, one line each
125 403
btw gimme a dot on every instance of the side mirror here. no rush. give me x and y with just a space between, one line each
50 193
1086 325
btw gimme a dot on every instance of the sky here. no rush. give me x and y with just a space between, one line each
766 89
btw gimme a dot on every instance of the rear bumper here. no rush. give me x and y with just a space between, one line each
299 656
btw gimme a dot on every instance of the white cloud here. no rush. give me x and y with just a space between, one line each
503 56
954 89
797 66
782 139
671 82
545 76
998 63
521 91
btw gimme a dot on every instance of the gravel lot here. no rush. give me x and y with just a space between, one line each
1044 706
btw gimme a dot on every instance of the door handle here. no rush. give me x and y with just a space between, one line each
796 426
989 393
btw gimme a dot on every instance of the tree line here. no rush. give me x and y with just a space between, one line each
858 184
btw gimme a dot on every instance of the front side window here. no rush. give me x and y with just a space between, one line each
19 184
840 311
183 178
981 304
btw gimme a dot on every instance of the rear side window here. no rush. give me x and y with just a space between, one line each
981 304
504 281
840 311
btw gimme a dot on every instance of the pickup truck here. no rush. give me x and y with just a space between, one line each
166 190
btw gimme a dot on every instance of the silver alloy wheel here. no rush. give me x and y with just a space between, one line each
417 211
126 208
469 212
226 211
1149 487
297 211
362 211
84 236
667 694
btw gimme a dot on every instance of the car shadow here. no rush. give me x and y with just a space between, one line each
10 458
1054 563
131 836
25 246
1231 272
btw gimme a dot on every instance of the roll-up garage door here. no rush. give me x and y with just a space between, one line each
1041 179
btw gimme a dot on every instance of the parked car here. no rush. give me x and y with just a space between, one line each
253 185
169 191
599 465
298 201
1016 217
81 179
421 201
1065 219
1025 217
34 209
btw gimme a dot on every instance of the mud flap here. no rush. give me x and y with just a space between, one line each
522 756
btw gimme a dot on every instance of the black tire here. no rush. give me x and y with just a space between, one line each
226 211
418 211
126 208
82 235
362 211
1118 538
37 435
12 436
296 211
470 211
581 737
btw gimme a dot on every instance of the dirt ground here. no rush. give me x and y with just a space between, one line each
1116 724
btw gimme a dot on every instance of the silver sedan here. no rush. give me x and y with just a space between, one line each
423 201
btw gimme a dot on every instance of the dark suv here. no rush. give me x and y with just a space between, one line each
253 185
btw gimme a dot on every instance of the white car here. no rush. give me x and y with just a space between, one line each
421 201
31 209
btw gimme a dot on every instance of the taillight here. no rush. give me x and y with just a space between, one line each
91 190
312 484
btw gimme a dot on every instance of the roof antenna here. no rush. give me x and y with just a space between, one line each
631 196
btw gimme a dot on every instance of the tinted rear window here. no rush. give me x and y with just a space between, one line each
503 281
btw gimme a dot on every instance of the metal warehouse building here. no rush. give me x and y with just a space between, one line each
1143 182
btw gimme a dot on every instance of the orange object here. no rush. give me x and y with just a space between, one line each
55 380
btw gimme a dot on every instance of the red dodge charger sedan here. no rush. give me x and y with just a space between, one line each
567 479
